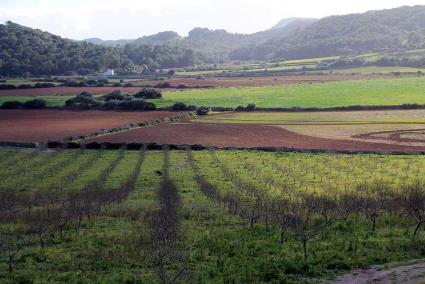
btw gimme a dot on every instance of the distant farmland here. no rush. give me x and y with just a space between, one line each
394 91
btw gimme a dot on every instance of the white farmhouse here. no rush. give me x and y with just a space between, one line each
108 73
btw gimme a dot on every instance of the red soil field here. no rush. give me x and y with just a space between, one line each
242 135
44 125
189 82
259 81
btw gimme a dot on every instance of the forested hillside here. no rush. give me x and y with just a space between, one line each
386 30
28 51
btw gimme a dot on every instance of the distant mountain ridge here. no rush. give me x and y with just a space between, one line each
375 31
294 38
215 45
288 21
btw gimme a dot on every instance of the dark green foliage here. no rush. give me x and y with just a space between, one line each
163 85
201 111
182 107
35 104
36 52
114 96
148 94
137 104
159 56
84 100
387 30
29 51
12 105
251 107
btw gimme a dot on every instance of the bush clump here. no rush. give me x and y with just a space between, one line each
248 108
148 94
114 96
163 85
182 107
201 111
139 104
12 105
35 104
84 100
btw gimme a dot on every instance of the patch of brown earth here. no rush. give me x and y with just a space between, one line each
241 135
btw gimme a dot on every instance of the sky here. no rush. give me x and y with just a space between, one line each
127 19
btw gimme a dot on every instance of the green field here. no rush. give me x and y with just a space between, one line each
391 91
379 69
394 91
217 244
319 118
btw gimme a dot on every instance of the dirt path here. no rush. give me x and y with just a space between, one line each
412 273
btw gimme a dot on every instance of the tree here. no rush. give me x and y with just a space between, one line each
412 198
148 94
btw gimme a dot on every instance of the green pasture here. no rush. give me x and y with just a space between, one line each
391 91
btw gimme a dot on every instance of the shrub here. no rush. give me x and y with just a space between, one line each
163 85
92 82
181 86
71 83
129 105
12 105
115 95
148 94
251 107
203 110
179 107
25 86
35 104
117 85
83 100
128 85
7 87
103 81
44 85
137 105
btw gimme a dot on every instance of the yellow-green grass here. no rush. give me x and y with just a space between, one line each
389 91
379 69
111 246
320 118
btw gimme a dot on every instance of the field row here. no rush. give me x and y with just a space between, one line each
216 241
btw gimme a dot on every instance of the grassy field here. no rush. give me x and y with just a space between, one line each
391 91
378 69
218 246
394 91
320 118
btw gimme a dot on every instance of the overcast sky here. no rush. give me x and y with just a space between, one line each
116 19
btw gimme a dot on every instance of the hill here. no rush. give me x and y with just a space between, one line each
375 31
28 51
215 45
288 21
